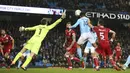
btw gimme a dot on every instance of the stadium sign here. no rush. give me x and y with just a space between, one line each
108 15
34 10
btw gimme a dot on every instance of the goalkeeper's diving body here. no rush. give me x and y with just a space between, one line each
34 43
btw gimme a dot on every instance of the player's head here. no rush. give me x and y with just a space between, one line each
2 32
100 22
82 14
44 21
118 44
68 24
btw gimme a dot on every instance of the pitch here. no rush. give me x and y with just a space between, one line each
61 70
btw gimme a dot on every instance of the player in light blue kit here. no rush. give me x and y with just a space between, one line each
90 48
84 24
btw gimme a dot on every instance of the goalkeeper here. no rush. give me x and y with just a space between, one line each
34 43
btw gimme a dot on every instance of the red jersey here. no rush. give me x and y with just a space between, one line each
104 47
102 33
7 38
68 35
118 50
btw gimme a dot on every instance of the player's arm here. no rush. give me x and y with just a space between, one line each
113 34
121 51
28 28
114 51
12 42
76 24
57 21
74 40
65 42
89 24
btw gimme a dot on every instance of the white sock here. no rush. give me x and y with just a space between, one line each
128 61
19 63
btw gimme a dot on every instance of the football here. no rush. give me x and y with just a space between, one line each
77 12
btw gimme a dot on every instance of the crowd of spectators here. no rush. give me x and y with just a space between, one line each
93 5
123 38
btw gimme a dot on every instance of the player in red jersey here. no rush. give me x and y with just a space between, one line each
103 42
8 43
70 46
118 53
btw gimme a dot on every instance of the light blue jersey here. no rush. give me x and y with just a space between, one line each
83 23
95 38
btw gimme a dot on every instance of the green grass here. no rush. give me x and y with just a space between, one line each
60 70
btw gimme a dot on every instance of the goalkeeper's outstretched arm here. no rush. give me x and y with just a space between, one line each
28 28
31 28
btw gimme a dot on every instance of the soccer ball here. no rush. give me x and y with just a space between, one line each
77 12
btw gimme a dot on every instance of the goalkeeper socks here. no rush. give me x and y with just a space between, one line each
17 57
128 61
27 62
19 63
79 51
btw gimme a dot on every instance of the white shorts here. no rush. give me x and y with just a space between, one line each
25 54
91 49
86 37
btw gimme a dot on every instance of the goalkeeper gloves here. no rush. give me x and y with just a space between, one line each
21 28
63 15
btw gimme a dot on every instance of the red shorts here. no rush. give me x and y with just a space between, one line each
73 49
104 49
7 49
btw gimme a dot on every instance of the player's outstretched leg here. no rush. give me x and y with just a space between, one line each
114 63
18 56
126 64
7 60
69 63
28 59
68 60
96 63
95 58
78 60
85 59
79 52
105 61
